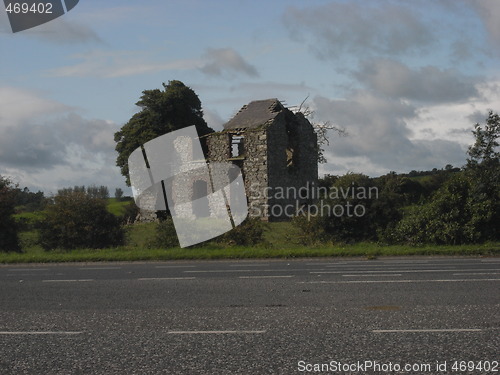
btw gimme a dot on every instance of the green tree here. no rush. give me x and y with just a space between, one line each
118 194
483 167
9 240
76 220
466 207
349 216
176 107
445 219
485 148
344 225
484 156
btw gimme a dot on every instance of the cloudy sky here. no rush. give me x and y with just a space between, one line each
406 79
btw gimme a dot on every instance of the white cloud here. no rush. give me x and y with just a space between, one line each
426 84
112 64
489 11
382 136
455 121
122 63
62 31
359 27
18 105
46 144
213 119
222 60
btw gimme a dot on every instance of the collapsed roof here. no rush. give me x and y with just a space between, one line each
255 114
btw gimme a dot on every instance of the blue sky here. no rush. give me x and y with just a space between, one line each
407 80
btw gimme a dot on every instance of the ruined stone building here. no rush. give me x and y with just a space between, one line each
277 153
274 148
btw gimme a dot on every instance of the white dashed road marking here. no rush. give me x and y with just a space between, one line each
266 277
165 278
67 281
215 332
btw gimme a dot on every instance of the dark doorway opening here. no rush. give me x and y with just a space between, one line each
201 206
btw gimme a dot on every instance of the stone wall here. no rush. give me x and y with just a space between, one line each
253 164
281 154
292 157
255 171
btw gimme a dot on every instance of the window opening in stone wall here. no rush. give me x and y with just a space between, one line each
291 151
237 146
290 157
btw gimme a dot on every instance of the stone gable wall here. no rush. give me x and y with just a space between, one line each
264 163
295 133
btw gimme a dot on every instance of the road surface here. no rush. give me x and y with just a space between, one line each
411 315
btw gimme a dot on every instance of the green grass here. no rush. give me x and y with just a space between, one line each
117 207
281 242
29 216
211 252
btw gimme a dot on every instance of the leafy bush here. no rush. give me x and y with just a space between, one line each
76 220
250 232
9 240
166 236
350 217
310 230
453 216
356 208
28 221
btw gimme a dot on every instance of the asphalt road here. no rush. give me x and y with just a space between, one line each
252 317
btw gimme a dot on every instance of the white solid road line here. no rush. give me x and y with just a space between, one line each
99 268
214 332
424 330
411 271
266 277
476 273
394 281
259 270
375 275
408 264
38 333
405 261
249 265
67 281
27 269
165 278
175 266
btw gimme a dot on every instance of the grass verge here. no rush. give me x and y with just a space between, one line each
134 253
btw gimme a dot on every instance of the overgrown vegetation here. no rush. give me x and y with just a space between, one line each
75 219
447 207
248 233
9 240
165 235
